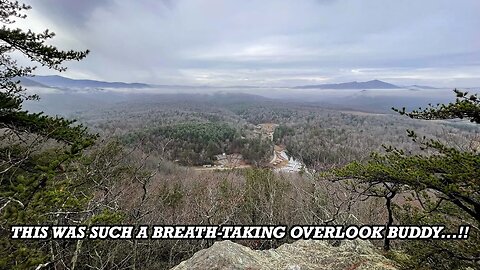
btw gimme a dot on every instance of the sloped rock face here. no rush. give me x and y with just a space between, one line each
301 255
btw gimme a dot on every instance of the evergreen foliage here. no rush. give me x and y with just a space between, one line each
444 188
466 106
36 151
198 143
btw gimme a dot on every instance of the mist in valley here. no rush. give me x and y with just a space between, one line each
67 102
239 113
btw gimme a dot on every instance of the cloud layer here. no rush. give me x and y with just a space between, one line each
268 42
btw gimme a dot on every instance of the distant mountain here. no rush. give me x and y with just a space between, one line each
415 86
61 82
28 82
375 84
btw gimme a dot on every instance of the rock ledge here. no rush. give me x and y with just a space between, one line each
301 255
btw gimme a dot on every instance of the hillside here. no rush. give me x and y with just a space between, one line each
29 82
63 82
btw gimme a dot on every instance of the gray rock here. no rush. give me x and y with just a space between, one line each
301 255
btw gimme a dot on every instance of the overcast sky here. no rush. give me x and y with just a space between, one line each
268 42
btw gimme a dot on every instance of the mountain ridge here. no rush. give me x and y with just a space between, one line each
28 82
62 82
422 87
56 81
373 84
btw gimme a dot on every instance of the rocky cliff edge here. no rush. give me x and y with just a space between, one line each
301 255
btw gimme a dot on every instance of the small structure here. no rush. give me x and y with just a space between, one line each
221 157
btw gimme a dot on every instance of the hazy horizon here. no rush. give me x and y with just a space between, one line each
63 75
266 43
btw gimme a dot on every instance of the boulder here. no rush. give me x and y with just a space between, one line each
301 255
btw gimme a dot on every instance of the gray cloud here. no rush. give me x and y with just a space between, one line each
269 42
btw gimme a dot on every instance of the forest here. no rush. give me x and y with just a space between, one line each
142 170
139 162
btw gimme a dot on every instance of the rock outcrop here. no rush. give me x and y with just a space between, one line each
301 255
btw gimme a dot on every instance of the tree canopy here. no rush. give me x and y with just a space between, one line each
441 186
465 107
36 151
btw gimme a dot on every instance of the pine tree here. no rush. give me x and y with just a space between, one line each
36 151
444 186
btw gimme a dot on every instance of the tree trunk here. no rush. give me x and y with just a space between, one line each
388 204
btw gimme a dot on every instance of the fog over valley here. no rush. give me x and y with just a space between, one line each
240 134
65 99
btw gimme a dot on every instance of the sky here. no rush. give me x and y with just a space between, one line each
267 42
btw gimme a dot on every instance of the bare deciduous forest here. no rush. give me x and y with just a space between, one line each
160 189
224 157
